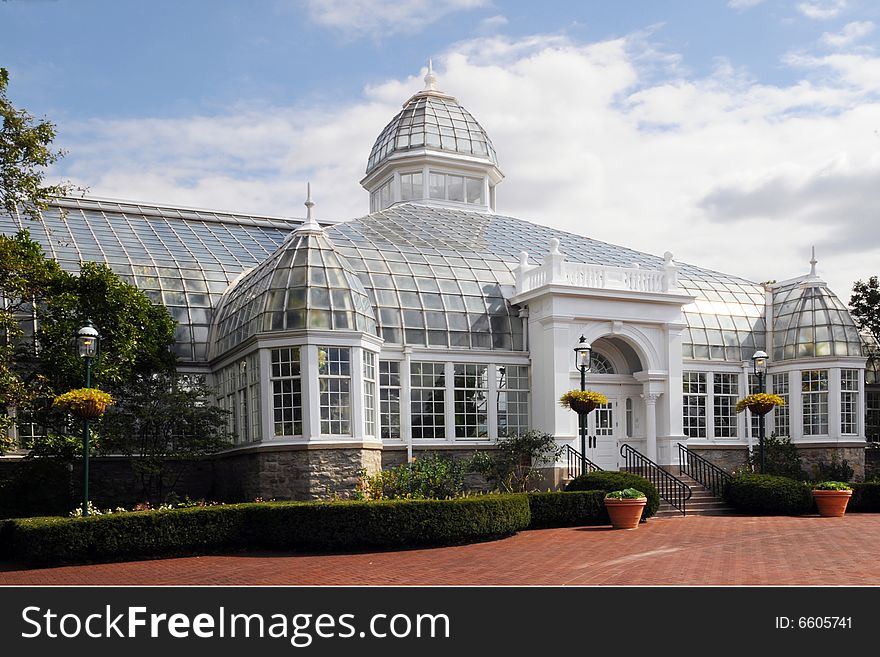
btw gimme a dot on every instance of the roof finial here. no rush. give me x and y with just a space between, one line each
430 78
813 262
310 223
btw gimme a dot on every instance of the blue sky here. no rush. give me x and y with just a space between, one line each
663 125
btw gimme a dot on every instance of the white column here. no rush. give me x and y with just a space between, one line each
310 393
267 410
492 402
449 404
406 401
834 403
357 393
795 406
651 423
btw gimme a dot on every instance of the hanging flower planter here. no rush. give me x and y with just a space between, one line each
760 403
582 401
86 403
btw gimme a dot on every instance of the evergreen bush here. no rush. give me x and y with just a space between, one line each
607 482
768 495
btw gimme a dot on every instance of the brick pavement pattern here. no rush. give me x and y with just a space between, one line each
710 550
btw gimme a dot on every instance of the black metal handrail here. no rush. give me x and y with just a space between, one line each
578 463
671 488
702 470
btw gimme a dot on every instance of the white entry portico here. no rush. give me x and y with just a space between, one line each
633 318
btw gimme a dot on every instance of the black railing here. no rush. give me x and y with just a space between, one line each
577 463
702 470
671 488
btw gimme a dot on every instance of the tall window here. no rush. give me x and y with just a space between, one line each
513 399
849 402
253 376
381 198
428 404
411 186
389 399
872 416
695 393
781 414
629 417
286 392
755 419
334 386
726 390
369 393
471 400
814 392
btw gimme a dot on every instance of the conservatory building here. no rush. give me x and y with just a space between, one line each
436 323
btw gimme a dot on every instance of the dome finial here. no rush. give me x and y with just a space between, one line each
813 263
310 223
430 78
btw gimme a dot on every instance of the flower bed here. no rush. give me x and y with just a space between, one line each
313 526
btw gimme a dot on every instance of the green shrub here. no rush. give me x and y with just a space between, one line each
515 464
832 485
768 495
625 494
865 497
432 476
837 470
781 458
610 481
561 509
316 526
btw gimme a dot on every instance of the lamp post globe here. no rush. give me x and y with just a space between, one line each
759 367
87 340
583 354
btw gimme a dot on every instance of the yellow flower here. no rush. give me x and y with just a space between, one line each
588 397
82 400
761 403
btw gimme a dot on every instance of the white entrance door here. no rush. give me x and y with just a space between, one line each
602 429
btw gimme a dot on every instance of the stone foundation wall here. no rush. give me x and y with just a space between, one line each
732 458
293 473
472 481
872 463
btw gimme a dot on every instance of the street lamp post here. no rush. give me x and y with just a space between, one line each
87 344
583 354
759 366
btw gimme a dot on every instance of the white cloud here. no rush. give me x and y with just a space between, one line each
821 10
608 139
850 33
743 4
492 24
382 18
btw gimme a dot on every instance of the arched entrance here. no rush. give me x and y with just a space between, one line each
621 420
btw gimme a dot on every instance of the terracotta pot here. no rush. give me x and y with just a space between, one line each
832 503
579 406
91 409
625 514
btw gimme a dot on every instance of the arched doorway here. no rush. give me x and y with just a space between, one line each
621 420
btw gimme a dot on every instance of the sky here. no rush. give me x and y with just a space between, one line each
734 133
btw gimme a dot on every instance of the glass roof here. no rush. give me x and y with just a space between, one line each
809 321
433 121
182 258
434 276
305 284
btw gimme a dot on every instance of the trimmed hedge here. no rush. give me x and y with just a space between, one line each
865 497
768 495
608 481
574 509
316 526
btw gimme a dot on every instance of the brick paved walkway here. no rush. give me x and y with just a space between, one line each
719 550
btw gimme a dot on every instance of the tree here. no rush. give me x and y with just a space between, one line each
136 335
25 152
864 306
514 465
166 422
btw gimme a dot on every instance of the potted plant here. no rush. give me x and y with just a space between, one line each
582 401
831 498
760 403
86 403
625 507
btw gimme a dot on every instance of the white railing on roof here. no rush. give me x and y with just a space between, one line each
556 271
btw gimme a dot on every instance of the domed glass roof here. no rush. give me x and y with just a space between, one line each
435 121
305 284
808 321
